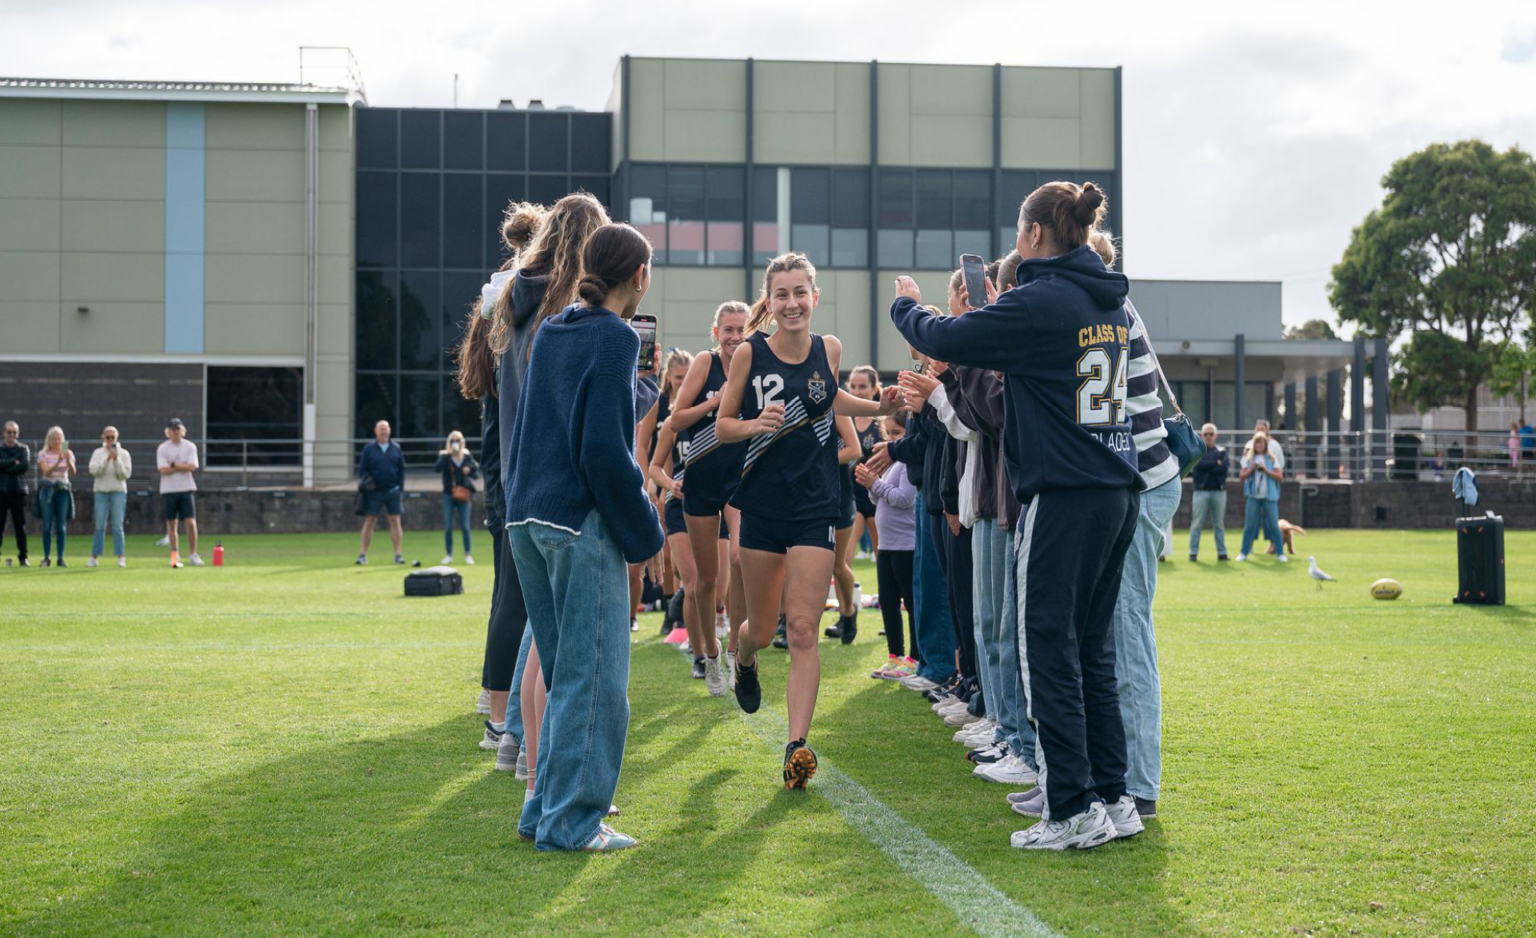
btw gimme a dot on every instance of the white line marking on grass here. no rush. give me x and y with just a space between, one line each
968 894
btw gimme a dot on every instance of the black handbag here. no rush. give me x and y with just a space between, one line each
1183 439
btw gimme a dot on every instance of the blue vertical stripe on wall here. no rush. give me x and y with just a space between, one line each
184 197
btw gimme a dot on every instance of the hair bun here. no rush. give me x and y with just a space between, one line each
1086 207
592 289
521 224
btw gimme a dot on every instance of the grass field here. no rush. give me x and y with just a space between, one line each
287 745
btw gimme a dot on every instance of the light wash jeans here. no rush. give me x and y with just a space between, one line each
986 604
1141 691
514 724
1013 726
454 511
1257 513
577 590
109 505
935 635
1211 505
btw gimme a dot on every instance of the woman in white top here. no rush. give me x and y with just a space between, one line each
110 466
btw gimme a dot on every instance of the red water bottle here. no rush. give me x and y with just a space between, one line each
218 554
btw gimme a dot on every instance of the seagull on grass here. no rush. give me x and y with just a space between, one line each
1316 574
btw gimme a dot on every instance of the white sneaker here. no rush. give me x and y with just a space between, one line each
1013 771
918 683
469 560
1242 558
445 561
730 669
960 717
1028 803
492 740
1125 817
483 702
522 768
194 561
980 738
1282 558
686 648
970 729
122 561
507 752
714 677
945 704
1084 831
163 542
91 562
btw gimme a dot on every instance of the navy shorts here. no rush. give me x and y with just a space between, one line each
178 505
862 502
387 502
776 536
672 518
702 506
845 511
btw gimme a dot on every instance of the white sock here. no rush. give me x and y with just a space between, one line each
527 795
500 727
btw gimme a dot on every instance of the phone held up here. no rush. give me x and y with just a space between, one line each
975 273
645 327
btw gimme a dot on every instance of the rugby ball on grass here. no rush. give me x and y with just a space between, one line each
1386 588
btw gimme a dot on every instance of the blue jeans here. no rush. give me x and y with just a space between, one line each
514 722
454 510
55 510
1141 690
109 506
1211 505
935 636
577 590
1259 512
987 575
1013 726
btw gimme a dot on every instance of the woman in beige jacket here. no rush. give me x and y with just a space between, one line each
111 466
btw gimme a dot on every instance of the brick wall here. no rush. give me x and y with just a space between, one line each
84 397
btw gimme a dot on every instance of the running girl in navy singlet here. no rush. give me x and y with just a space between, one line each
782 398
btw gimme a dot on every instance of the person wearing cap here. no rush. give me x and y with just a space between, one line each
177 460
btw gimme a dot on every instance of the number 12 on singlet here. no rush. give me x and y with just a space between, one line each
768 388
1101 396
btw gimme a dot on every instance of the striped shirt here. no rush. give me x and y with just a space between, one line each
1144 409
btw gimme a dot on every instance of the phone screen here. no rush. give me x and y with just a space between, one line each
645 327
975 279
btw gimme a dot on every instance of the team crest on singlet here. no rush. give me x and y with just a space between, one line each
816 387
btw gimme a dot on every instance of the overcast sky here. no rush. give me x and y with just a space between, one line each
1256 134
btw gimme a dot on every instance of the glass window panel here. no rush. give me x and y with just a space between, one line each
1193 398
850 198
935 199
647 209
421 337
506 141
420 139
547 190
685 214
375 402
255 404
421 413
850 247
1256 401
724 185
1223 404
377 144
724 239
1017 185
765 242
1008 237
463 241
597 185
461 415
376 319
810 196
549 142
500 191
765 194
936 250
812 241
591 150
973 201
461 300
972 242
420 220
378 241
463 139
895 198
894 247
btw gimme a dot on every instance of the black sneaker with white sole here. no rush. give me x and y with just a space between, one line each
749 692
698 668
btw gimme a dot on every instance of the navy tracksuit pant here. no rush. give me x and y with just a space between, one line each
1071 550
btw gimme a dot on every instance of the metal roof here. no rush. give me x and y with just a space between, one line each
266 92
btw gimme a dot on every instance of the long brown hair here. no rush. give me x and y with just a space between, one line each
555 251
477 363
782 264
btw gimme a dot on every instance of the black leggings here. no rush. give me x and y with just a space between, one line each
893 568
955 560
509 616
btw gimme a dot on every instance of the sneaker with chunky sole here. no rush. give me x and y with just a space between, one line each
799 764
987 755
492 740
749 692
1009 771
1083 831
507 753
714 677
1123 815
917 683
608 840
1029 804
522 764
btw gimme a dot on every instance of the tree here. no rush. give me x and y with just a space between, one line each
1311 329
1512 367
1448 260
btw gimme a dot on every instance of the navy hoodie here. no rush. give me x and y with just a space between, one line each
1060 339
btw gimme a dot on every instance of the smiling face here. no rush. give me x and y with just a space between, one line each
731 332
791 298
676 374
859 386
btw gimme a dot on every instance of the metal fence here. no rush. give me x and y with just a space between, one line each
1393 455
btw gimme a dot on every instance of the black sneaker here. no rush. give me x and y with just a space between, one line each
835 630
1193 558
799 764
45 562
1147 809
749 693
674 616
781 637
698 669
61 563
850 628
987 756
1221 556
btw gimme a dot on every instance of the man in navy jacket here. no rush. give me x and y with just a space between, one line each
381 479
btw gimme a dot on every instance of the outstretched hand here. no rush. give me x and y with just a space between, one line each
918 387
906 286
879 460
